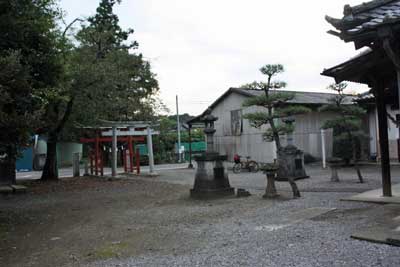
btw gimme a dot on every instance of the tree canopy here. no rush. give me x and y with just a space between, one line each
275 105
30 64
59 77
347 126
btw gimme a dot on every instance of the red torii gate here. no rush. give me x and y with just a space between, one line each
98 158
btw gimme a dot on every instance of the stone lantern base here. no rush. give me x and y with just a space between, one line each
211 180
291 164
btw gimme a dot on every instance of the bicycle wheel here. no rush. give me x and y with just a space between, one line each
237 168
253 166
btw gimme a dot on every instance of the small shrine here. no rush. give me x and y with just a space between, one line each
211 178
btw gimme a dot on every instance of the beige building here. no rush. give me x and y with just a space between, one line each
393 112
234 134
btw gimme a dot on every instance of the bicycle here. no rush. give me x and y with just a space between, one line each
250 165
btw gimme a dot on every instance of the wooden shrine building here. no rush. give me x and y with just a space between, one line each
374 26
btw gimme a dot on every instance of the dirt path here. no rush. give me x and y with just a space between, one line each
76 221
144 221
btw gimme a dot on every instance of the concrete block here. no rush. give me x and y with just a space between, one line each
5 189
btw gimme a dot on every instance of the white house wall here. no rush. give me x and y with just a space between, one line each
307 134
249 143
393 133
373 132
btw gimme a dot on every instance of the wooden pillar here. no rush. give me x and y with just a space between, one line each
125 161
130 148
190 147
101 162
114 152
150 150
91 162
383 140
96 155
137 161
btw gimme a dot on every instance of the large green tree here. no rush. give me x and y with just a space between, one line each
29 63
274 107
348 136
103 79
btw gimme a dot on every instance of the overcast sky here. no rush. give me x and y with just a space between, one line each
201 48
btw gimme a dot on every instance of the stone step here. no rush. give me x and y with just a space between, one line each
19 188
16 189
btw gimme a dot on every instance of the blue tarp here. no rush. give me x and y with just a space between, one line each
24 163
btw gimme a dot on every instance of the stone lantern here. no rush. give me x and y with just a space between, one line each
290 159
211 178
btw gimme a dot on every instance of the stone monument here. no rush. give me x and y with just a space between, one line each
211 179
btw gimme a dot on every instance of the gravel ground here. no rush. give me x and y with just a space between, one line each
152 222
319 180
270 236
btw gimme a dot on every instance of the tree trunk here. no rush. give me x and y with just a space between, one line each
356 166
295 189
50 169
7 171
359 173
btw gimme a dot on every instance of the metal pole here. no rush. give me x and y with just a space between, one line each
179 130
323 148
150 150
114 152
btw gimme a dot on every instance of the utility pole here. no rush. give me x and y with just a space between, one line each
179 130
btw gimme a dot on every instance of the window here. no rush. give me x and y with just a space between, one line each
236 122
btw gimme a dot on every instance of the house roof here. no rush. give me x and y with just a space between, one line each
366 17
304 98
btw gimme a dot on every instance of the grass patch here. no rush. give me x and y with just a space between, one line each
3 231
113 250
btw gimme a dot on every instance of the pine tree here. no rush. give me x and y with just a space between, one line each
347 134
276 108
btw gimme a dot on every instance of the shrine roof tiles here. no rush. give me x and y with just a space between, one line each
367 16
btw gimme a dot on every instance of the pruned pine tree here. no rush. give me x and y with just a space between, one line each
275 107
347 134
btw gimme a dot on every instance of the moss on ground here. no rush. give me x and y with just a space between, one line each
3 231
112 250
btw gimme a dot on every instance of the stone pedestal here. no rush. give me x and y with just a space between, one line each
270 191
334 176
75 164
334 164
291 164
211 179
